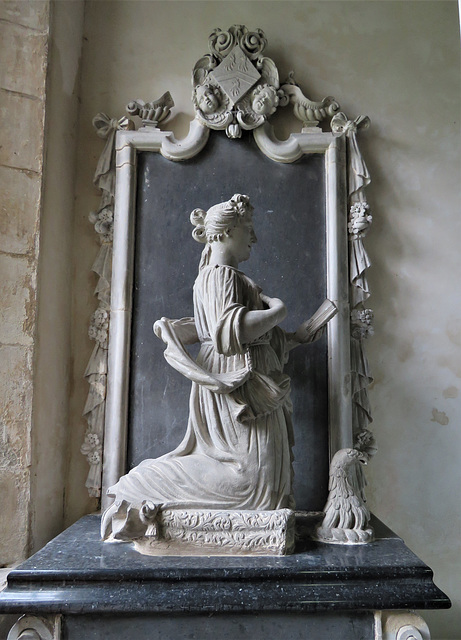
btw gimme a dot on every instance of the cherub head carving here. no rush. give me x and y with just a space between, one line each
264 100
207 98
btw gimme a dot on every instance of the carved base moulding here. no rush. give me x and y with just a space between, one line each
214 532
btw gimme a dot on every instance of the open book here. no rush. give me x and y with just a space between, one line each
308 330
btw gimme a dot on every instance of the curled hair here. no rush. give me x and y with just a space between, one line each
197 217
216 223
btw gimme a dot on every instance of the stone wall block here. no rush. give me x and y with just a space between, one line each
22 64
18 210
14 489
15 406
34 15
17 293
21 124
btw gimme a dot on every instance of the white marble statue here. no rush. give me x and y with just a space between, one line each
236 454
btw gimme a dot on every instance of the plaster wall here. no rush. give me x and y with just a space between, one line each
398 63
54 322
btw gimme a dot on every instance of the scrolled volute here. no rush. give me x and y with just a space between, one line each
252 43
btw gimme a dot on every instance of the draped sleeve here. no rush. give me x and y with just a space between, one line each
220 307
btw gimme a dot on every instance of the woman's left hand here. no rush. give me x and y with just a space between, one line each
304 336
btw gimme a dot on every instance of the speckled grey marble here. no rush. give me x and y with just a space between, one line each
289 221
76 573
276 626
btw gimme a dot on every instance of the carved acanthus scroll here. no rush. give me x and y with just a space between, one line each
236 87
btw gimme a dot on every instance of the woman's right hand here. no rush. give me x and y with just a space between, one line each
276 305
258 322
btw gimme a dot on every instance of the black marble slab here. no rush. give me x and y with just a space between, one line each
77 573
277 626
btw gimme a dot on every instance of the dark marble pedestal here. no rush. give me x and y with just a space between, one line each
108 590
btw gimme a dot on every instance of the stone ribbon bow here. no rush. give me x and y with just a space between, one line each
359 176
106 128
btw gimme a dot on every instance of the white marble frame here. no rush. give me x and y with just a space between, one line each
128 143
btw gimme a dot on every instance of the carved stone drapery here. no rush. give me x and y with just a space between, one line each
96 371
361 318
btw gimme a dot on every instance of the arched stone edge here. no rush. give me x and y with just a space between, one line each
45 628
400 625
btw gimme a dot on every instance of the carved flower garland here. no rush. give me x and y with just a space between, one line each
365 441
99 327
103 221
362 323
92 448
359 220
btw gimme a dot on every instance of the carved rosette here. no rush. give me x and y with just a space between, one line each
96 371
400 625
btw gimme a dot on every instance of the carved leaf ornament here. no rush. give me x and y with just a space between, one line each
235 88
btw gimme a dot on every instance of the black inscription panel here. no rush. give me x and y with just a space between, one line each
288 262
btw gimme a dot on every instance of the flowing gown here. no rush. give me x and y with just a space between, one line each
236 453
